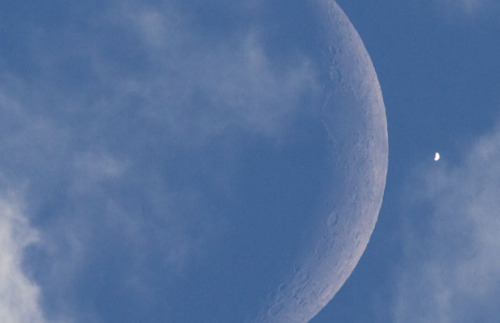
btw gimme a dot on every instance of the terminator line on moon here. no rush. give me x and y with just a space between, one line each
360 152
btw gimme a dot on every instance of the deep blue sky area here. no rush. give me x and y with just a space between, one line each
175 161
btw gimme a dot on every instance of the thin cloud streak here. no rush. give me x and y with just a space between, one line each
451 268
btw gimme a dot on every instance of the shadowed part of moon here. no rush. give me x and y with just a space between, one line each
355 121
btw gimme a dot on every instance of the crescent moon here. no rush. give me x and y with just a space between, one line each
355 120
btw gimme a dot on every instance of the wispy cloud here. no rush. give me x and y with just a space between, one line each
201 87
19 296
451 268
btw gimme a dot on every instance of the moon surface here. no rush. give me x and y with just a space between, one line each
354 117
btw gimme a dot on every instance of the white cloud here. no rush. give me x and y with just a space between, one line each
451 268
19 296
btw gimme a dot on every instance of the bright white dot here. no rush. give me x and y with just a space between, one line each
437 157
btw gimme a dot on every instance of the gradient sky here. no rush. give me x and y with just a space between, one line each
90 232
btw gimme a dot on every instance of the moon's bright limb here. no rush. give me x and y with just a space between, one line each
437 156
355 120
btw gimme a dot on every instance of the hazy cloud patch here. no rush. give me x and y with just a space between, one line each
451 268
470 6
467 8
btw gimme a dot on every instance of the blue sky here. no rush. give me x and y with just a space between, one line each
131 132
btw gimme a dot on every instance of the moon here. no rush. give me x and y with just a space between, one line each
354 118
